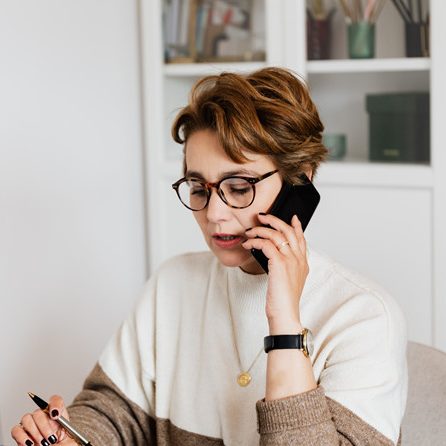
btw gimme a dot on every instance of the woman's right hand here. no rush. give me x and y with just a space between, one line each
40 428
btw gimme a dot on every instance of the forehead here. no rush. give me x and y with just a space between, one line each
204 154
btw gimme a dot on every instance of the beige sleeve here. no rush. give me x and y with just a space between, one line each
103 414
313 419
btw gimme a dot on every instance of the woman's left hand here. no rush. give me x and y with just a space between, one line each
286 249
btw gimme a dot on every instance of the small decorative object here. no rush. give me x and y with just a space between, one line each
399 127
416 26
361 19
361 40
336 144
318 30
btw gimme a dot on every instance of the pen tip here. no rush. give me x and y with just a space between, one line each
39 401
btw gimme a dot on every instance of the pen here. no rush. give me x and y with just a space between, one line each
62 421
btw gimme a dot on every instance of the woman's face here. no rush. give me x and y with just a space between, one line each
206 157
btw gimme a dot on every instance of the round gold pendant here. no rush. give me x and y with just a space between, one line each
244 379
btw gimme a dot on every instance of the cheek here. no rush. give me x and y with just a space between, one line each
200 218
263 202
249 218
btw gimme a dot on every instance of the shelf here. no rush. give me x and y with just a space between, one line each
350 173
353 173
368 65
313 67
204 69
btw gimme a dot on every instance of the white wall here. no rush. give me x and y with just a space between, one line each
72 258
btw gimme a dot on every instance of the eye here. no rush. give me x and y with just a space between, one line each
236 187
241 190
198 193
196 188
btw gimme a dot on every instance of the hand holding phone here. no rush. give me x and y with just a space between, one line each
301 200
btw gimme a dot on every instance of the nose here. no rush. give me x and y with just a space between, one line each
217 210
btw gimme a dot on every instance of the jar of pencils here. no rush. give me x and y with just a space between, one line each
361 40
361 16
417 39
416 26
318 30
318 39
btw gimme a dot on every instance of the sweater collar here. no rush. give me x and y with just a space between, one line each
247 292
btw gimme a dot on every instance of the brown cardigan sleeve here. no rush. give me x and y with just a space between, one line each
104 415
310 419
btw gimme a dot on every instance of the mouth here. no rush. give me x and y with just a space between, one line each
227 240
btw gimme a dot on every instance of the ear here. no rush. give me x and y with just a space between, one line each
309 173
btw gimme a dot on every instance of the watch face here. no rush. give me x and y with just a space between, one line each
309 345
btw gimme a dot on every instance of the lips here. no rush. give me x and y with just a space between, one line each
227 241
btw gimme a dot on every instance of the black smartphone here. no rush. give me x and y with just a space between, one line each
300 200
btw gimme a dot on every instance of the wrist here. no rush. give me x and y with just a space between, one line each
284 326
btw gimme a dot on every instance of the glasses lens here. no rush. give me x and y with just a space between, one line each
193 194
238 192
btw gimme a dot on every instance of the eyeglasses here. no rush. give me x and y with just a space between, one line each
236 191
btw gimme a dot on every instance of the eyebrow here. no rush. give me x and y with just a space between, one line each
229 173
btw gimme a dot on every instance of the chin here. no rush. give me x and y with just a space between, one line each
231 258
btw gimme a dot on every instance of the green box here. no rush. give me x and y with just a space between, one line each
399 127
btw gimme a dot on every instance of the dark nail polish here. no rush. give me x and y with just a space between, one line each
52 439
44 443
262 213
29 443
54 413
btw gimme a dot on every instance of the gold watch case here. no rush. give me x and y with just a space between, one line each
308 345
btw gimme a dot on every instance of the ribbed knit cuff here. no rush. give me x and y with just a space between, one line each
293 412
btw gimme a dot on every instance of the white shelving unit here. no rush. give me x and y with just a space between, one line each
381 219
397 64
197 70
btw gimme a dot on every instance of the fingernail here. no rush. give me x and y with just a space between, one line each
44 443
29 443
54 413
246 230
52 439
262 213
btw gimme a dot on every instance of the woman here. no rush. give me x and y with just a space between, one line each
188 366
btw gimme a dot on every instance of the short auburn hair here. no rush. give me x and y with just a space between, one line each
268 112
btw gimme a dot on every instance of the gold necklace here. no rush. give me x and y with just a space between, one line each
243 378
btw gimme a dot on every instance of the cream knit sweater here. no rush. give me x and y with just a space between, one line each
169 375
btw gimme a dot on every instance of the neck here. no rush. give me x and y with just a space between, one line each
251 266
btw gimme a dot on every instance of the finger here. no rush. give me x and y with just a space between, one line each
30 427
275 236
266 246
43 423
56 408
20 436
68 442
302 243
279 225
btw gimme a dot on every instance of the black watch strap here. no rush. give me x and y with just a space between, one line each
283 342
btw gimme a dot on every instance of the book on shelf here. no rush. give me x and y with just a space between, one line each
209 31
